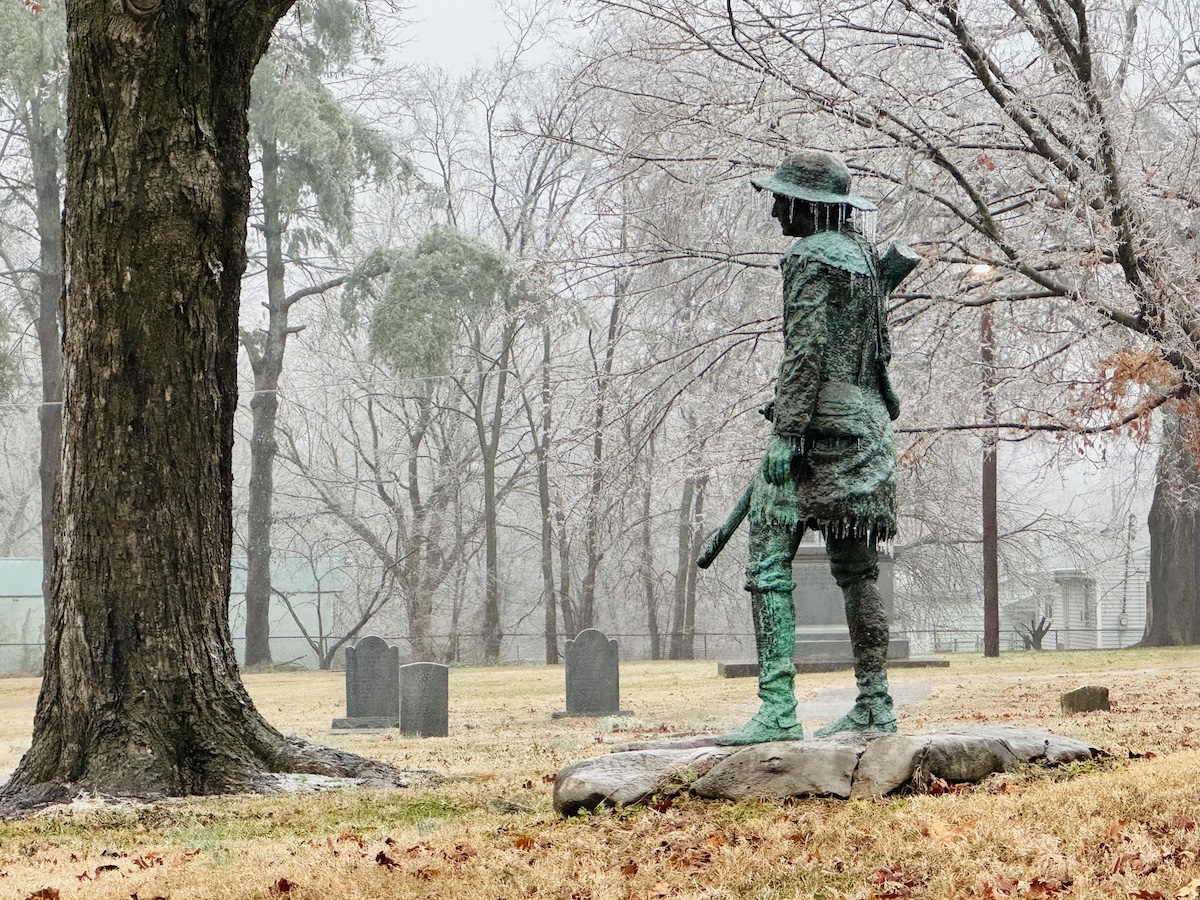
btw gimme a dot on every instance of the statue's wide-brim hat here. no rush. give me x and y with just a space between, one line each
815 176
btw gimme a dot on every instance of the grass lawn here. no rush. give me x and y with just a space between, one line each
1123 828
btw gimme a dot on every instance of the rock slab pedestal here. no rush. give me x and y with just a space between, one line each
845 766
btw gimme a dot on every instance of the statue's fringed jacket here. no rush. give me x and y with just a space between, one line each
833 400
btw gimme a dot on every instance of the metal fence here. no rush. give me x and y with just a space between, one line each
530 647
20 659
964 640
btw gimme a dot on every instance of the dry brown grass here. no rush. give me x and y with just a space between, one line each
1124 828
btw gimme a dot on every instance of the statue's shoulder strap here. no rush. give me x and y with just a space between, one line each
833 248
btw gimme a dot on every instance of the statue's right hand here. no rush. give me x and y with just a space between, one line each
777 461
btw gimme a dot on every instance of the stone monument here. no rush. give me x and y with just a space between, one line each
425 699
593 676
830 460
372 686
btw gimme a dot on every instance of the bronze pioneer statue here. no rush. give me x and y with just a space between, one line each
830 462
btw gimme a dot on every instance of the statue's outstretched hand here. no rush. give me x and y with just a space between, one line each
777 461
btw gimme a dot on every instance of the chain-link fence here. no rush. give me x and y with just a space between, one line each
529 647
20 659
964 640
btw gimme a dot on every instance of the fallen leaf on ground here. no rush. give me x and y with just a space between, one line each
1046 888
944 835
1001 889
892 884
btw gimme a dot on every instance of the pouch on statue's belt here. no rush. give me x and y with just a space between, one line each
841 412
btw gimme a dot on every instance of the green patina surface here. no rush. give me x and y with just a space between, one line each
829 399
831 461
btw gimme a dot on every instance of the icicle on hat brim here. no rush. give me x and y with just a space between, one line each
815 176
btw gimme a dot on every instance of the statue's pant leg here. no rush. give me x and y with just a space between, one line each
769 581
855 566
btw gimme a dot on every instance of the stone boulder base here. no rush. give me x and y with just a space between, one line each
845 766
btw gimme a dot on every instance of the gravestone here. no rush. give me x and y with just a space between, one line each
372 686
1089 698
821 631
425 699
593 680
822 635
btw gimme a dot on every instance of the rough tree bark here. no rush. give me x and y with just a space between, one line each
141 694
1174 521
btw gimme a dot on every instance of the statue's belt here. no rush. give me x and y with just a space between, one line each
828 442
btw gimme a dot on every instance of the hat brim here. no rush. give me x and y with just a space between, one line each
787 189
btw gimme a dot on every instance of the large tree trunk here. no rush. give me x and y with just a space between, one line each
265 350
570 626
45 154
550 598
597 482
1174 521
649 582
141 694
697 541
489 445
990 523
681 641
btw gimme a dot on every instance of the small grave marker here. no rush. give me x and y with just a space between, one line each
425 699
1089 698
372 686
593 678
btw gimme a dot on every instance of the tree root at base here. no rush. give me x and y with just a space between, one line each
296 757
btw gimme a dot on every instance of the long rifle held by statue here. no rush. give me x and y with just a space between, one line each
720 537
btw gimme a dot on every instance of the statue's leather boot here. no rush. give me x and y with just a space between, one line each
872 709
775 632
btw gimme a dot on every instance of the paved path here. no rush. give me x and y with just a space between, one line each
827 705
